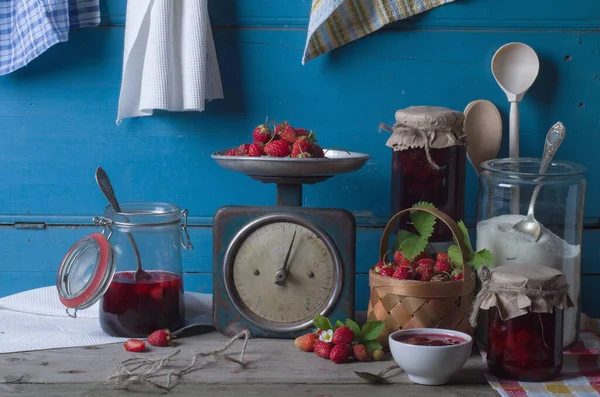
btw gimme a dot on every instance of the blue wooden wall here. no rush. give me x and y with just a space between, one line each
57 120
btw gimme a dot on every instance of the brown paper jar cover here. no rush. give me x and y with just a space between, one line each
429 127
516 290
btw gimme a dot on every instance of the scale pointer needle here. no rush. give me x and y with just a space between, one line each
282 273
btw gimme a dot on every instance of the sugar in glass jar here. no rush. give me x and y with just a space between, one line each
525 328
505 190
103 267
428 164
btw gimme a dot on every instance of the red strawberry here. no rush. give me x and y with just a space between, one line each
523 337
360 352
379 266
306 342
425 269
278 148
288 133
262 134
442 267
422 255
302 132
302 148
386 271
340 353
404 273
323 348
398 257
457 275
255 150
443 257
342 334
162 337
135 345
232 152
243 149
318 151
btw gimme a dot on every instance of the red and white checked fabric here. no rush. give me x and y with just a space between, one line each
580 374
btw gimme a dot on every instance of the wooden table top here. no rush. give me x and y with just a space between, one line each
273 368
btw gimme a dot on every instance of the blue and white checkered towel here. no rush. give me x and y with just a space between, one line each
30 27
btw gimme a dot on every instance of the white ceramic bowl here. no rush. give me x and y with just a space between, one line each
430 365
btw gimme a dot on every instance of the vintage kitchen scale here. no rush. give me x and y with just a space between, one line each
277 267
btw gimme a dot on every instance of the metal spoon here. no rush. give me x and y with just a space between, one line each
106 187
376 378
554 138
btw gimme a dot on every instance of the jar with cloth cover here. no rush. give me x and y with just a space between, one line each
525 328
428 163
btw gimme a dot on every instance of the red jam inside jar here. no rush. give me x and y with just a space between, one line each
130 309
526 348
414 179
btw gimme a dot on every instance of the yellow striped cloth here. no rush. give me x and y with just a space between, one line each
334 23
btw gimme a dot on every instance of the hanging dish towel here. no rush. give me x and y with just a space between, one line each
169 60
334 23
30 27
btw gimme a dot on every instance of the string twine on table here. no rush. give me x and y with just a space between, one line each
141 370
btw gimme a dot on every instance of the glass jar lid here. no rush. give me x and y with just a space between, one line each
85 272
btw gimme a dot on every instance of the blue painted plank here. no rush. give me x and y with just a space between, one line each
590 295
507 14
52 142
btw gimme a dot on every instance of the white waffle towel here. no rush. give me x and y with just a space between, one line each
169 59
36 320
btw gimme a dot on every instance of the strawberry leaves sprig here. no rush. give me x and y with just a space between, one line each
478 259
411 244
367 334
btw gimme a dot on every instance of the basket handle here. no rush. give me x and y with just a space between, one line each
456 232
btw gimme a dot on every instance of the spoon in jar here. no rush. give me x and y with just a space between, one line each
106 187
376 378
554 138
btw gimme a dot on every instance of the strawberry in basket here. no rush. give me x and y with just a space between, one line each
414 259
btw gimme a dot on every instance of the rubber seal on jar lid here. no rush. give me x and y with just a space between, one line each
85 272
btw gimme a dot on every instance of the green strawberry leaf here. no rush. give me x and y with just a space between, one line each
322 322
373 345
424 222
371 329
467 239
424 204
413 246
400 237
455 255
355 328
338 324
482 258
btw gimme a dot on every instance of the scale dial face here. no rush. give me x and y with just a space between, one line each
272 294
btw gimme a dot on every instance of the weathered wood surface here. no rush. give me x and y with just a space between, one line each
275 367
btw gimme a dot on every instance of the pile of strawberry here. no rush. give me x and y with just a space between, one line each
422 268
283 140
343 342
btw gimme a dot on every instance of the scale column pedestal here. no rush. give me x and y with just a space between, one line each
289 195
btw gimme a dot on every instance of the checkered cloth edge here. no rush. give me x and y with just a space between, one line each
30 27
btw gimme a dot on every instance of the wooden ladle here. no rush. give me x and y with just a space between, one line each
483 128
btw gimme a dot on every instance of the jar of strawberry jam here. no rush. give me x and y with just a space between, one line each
132 269
428 163
525 328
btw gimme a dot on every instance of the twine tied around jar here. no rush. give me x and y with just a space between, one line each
517 290
410 133
140 370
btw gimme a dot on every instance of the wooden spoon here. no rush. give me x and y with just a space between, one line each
483 128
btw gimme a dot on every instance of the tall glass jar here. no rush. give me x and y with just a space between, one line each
106 267
428 164
505 190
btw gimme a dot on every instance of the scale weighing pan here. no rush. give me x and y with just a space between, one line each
289 170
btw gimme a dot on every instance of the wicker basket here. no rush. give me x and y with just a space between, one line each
403 304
